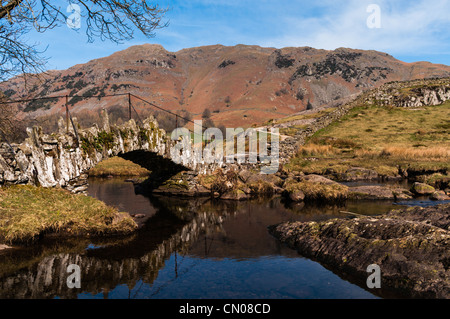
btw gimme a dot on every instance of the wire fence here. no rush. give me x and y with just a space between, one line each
73 99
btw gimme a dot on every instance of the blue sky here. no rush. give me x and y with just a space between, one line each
410 30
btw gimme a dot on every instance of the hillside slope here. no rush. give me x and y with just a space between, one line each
241 85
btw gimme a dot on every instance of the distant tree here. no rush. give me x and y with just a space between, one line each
11 128
207 120
309 106
184 117
207 123
206 114
104 19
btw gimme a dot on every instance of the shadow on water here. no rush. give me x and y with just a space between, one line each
161 168
197 248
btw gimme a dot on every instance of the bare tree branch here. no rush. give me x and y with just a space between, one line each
111 20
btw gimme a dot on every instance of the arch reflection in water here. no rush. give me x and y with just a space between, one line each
185 249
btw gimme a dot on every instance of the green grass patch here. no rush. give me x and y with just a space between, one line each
297 117
27 212
117 166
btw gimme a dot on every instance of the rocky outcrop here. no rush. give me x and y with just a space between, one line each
356 174
411 246
184 184
416 93
314 188
235 183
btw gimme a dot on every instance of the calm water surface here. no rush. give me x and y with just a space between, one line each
185 249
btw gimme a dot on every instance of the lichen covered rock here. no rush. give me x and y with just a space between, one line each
314 188
422 189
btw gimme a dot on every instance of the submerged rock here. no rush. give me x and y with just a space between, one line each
378 192
296 195
439 195
411 246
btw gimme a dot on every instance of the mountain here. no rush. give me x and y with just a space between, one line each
241 85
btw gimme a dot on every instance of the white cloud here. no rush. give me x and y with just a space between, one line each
405 27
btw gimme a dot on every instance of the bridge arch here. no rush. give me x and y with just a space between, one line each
54 160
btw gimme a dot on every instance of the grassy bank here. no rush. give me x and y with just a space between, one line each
26 212
382 139
116 166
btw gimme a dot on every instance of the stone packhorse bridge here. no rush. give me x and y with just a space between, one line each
59 159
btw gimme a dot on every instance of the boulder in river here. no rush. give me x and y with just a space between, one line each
235 194
296 195
422 189
314 188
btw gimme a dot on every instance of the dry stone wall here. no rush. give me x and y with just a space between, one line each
417 93
59 159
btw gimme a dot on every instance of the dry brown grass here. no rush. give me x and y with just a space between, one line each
316 150
438 152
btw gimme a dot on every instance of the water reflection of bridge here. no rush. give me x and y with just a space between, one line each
178 228
172 229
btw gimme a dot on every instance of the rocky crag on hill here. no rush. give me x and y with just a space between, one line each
415 93
241 85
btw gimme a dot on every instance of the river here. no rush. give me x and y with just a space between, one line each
197 248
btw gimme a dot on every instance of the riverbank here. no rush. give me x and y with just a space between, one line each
28 213
244 184
411 246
